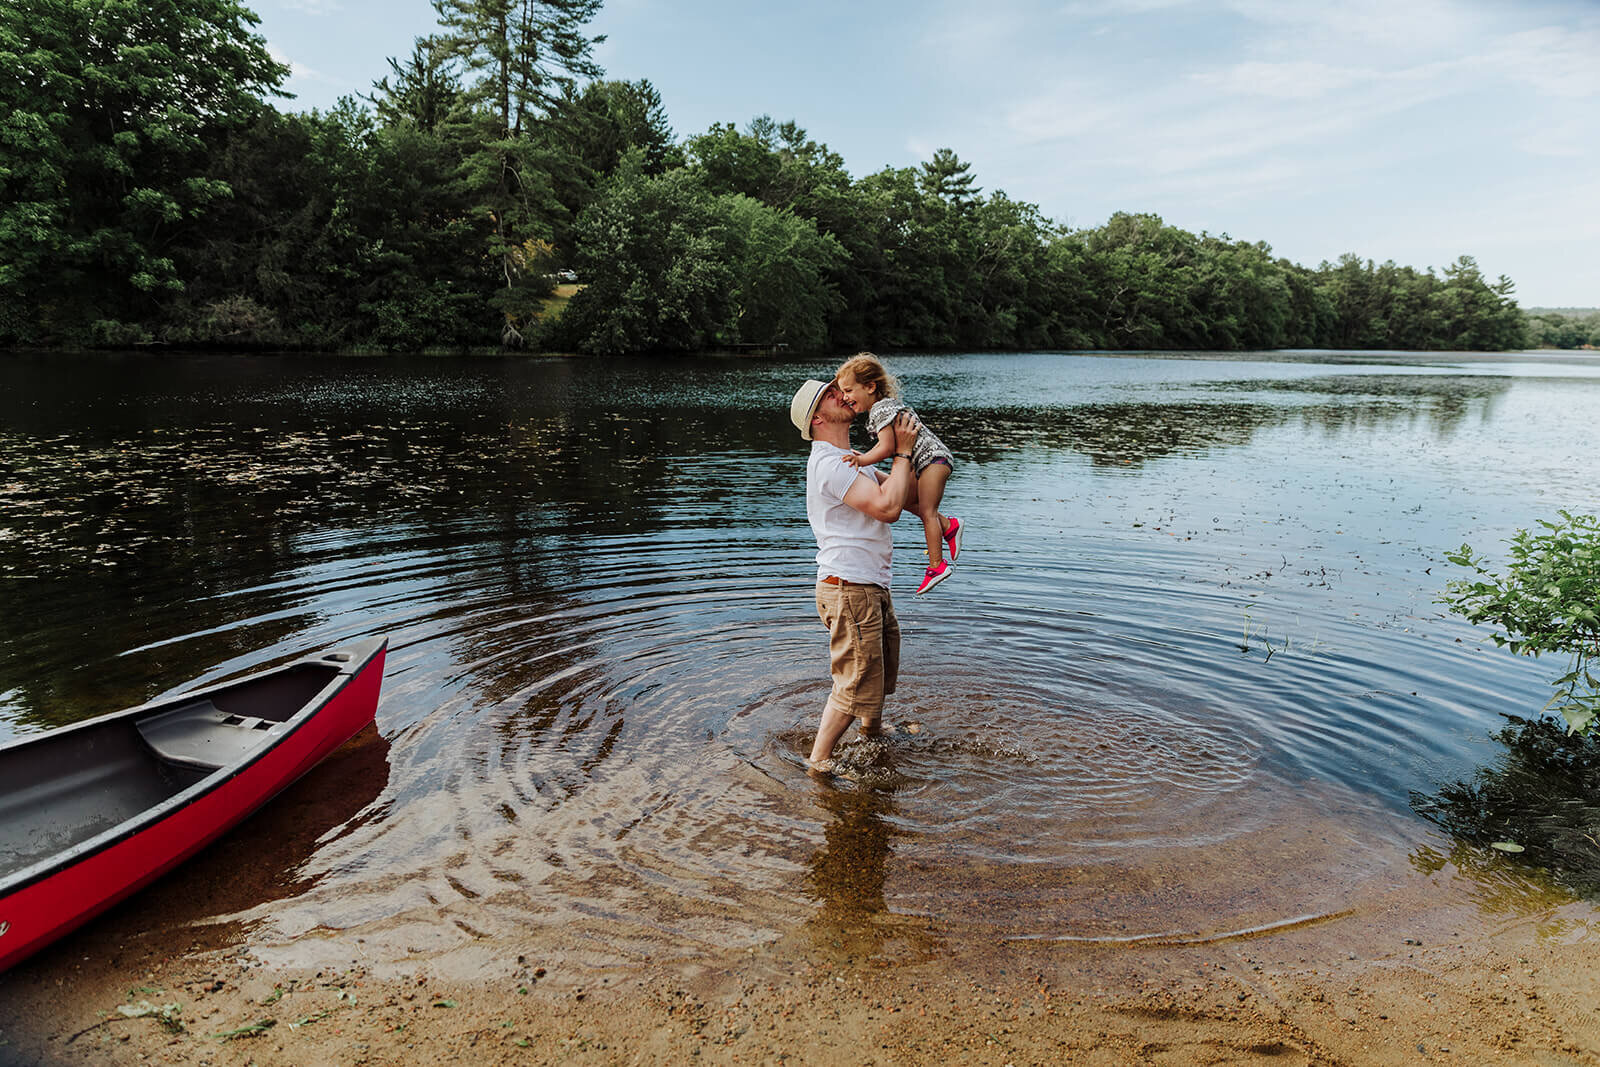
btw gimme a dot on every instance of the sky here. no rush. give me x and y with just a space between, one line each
1408 130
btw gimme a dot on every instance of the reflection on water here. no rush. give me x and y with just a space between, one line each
271 856
1507 891
1539 801
848 872
604 670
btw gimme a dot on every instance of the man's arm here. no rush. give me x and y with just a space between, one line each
885 500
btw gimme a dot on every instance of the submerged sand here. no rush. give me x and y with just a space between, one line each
1304 928
1460 960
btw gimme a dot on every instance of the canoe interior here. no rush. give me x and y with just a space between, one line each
78 783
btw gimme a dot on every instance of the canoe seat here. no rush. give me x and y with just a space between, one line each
203 735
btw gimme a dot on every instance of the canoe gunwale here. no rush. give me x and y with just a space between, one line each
350 662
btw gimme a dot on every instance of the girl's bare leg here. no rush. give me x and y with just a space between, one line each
930 491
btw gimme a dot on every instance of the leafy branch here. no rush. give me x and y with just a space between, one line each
1547 601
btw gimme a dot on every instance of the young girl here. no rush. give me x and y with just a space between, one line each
869 388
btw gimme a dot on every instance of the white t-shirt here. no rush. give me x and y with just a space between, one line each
850 545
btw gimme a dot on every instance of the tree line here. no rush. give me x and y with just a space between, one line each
151 192
1560 328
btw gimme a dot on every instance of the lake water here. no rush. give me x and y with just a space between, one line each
1185 680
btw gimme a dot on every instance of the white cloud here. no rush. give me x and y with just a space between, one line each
1570 136
1559 63
1119 8
1303 99
921 148
298 71
1369 24
1301 79
966 33
1555 213
1067 109
1244 112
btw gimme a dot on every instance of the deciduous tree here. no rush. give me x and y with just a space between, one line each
106 112
655 256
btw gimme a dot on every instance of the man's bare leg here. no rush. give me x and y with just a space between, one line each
834 724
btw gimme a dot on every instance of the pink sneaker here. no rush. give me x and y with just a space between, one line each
933 576
952 537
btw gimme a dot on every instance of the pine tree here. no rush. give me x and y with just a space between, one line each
524 53
945 176
521 57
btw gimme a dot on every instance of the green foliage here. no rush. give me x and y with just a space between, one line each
107 110
584 139
946 177
1563 329
600 124
521 58
1547 601
147 193
1474 315
654 253
520 55
728 161
1141 273
780 289
426 92
906 260
339 233
671 267
1387 306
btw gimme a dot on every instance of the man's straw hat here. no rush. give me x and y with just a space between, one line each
804 407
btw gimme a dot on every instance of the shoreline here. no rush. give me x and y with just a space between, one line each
1447 966
765 351
1317 931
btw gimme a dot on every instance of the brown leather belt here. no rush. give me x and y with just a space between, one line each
833 580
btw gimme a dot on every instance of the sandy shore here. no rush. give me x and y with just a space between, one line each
1450 967
1306 940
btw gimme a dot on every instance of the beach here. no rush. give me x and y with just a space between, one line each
1451 966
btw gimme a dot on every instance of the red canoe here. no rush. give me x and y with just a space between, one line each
92 812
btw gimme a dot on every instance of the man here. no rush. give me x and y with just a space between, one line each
850 511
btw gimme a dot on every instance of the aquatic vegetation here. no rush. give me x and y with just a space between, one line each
1264 640
1259 632
1546 602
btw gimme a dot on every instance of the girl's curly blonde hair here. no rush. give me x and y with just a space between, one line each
865 368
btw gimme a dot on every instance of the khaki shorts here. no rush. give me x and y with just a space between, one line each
863 647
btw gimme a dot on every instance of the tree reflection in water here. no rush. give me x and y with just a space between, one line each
1506 890
1543 796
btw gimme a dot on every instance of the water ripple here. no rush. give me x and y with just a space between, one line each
1183 682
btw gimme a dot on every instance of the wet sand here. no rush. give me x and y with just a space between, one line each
1314 934
1457 959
